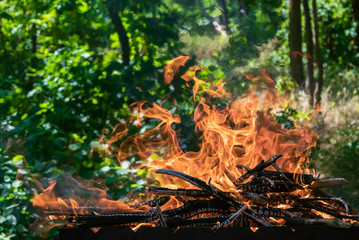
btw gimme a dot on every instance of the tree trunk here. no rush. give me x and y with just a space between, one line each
318 57
122 34
309 81
28 83
355 7
217 26
224 10
295 42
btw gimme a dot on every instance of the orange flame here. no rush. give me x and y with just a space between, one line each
243 132
172 68
57 206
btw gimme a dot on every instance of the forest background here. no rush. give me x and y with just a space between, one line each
69 69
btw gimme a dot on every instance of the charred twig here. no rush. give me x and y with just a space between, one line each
325 209
192 208
320 193
264 188
281 172
178 192
154 202
337 203
231 219
263 180
273 199
214 192
160 216
262 165
301 178
268 211
255 198
291 214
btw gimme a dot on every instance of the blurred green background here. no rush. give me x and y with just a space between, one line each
69 69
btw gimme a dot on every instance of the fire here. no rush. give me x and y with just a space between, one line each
173 66
78 198
243 132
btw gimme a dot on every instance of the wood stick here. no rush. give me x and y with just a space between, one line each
325 209
275 175
192 208
265 187
273 199
268 211
231 219
320 193
160 216
178 192
214 192
262 165
153 203
328 182
281 172
255 198
337 203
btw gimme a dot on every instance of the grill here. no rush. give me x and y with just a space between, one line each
263 233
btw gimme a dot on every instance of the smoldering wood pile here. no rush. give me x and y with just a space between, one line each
268 198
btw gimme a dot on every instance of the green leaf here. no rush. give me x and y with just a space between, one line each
75 146
16 183
24 116
17 158
12 219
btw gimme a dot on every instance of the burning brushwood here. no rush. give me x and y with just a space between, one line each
267 198
263 198
216 193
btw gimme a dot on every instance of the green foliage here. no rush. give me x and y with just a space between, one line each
16 210
340 159
63 82
286 117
